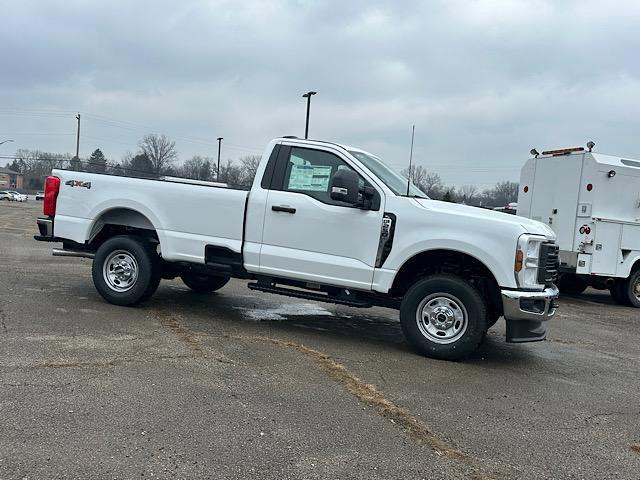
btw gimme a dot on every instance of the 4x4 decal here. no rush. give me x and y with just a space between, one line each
78 183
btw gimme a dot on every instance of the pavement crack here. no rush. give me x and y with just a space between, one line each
609 414
76 364
3 321
186 336
374 398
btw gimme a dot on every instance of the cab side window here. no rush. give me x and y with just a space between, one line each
309 171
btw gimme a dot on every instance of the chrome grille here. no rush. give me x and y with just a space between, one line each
548 264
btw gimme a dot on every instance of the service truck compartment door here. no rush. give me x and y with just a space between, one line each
309 236
554 196
606 248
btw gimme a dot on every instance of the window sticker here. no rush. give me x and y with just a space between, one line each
313 178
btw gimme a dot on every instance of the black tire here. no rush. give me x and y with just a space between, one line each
570 284
629 290
446 297
201 283
140 256
617 292
492 319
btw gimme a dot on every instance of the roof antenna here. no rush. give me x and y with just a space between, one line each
413 133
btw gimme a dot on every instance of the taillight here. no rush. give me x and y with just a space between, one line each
51 189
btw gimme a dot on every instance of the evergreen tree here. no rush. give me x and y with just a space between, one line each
97 162
140 166
75 164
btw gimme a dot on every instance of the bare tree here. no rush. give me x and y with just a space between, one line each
197 168
230 173
507 192
433 186
500 195
417 174
450 195
35 165
160 150
468 193
249 167
429 182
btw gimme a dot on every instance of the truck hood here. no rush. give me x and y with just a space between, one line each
529 226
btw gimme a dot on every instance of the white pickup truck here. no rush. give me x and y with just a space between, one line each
323 222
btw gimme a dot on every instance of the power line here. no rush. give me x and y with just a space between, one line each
122 124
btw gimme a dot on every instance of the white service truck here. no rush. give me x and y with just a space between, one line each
592 202
323 222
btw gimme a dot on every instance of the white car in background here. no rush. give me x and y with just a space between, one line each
18 197
39 195
4 195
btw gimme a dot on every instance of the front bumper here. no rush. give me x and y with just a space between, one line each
527 312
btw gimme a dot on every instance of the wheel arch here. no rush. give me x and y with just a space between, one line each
453 262
118 221
630 264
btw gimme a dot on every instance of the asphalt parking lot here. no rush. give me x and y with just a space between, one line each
244 385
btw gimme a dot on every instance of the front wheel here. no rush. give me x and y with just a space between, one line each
126 270
444 317
201 283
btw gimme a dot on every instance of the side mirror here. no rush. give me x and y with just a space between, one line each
344 186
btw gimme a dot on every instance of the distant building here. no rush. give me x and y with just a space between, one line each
10 179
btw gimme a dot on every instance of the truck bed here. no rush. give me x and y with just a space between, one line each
187 217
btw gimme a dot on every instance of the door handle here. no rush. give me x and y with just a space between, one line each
281 208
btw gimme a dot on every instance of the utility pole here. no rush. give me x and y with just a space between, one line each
308 97
219 147
78 138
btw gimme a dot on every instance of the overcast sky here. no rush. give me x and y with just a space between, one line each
484 81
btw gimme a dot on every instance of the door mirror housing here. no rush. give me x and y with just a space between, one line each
345 186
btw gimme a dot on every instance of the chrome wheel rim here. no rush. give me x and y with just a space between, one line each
442 318
120 271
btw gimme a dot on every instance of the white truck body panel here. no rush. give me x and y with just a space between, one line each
186 217
597 227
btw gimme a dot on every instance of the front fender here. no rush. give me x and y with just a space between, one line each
495 264
489 238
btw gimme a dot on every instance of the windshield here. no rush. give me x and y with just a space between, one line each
392 179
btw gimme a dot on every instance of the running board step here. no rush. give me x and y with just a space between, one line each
290 292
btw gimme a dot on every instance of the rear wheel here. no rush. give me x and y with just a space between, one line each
443 316
201 283
126 270
628 290
570 284
617 292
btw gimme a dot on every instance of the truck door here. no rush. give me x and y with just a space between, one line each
309 236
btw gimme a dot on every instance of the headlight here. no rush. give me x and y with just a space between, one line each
526 261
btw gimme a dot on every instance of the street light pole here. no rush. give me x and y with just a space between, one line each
219 147
306 126
6 141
